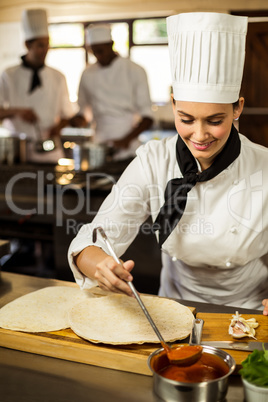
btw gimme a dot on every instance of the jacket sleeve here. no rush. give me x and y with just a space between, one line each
121 215
4 98
141 92
68 108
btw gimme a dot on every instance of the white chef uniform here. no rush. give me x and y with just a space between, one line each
117 94
50 101
218 252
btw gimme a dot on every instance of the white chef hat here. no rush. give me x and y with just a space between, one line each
207 53
34 24
98 33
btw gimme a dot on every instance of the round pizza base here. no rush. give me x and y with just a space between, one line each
119 320
43 310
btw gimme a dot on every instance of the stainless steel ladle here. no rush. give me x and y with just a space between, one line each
174 354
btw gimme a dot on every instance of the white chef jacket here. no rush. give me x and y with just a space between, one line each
218 252
116 94
50 102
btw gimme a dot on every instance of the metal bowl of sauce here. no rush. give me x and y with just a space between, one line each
204 381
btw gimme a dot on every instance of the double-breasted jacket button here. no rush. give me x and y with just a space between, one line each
233 229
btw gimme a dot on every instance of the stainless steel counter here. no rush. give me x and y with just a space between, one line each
27 377
4 247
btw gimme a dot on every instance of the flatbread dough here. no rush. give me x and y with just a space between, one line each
43 310
118 320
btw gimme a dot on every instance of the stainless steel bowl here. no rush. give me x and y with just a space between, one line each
12 147
175 391
89 156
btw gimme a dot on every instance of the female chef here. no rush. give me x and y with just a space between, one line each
205 189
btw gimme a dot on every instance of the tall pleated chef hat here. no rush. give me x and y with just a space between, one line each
34 24
98 33
207 54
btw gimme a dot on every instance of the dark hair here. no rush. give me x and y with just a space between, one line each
235 104
29 41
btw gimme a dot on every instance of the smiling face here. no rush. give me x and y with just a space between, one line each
205 127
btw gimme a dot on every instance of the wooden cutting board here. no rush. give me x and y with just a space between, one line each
216 329
65 344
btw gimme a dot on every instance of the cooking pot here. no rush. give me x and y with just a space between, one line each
175 391
89 156
12 147
200 383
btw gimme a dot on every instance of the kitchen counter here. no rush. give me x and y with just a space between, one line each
29 377
4 247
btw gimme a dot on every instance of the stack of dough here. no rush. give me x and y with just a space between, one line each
118 320
41 311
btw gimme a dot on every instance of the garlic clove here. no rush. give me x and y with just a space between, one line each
240 328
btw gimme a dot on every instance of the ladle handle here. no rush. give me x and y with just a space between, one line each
144 309
196 334
130 284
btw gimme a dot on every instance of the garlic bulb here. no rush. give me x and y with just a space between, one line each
240 328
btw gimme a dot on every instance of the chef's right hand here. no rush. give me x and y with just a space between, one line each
78 121
27 114
113 277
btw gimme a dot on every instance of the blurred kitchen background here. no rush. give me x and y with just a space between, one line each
45 208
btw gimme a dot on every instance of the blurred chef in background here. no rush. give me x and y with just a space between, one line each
117 93
34 98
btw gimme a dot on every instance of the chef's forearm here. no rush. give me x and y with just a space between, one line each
124 142
55 131
88 259
26 114
6 113
143 125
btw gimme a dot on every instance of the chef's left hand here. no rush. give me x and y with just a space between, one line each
265 304
122 143
54 132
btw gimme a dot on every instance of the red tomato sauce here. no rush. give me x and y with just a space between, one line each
185 355
208 367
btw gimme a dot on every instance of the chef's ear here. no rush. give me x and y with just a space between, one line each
238 108
27 44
